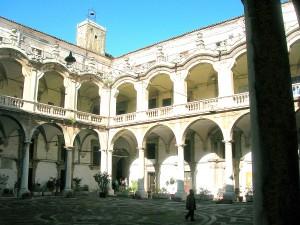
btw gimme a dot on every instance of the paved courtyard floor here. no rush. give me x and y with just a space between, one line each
92 210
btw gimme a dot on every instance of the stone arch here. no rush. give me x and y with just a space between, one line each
130 134
13 71
53 66
153 71
237 53
194 120
241 147
160 95
292 37
124 156
152 128
122 80
201 81
87 147
234 122
14 53
13 134
88 94
90 78
126 99
195 60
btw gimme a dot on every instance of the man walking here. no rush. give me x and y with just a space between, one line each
190 205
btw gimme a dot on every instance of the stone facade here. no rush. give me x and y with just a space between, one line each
171 116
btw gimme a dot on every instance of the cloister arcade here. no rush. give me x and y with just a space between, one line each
172 128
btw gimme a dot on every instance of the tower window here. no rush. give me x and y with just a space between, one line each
96 36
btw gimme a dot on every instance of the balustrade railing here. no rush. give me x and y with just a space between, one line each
159 112
202 105
190 108
50 110
87 117
11 102
124 118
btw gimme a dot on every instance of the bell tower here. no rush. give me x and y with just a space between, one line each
91 35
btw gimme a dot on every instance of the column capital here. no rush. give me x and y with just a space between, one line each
69 148
27 141
228 141
140 149
180 145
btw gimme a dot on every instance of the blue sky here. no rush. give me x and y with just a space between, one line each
130 24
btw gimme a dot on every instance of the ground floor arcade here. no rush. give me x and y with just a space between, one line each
209 153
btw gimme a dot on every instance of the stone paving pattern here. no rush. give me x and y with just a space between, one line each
92 210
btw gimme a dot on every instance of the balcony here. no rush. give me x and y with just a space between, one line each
205 106
16 104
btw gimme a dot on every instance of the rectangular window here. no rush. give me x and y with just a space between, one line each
187 151
96 156
121 107
166 102
151 153
152 103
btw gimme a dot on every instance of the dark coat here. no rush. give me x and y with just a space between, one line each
190 202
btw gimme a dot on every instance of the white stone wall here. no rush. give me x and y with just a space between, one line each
85 173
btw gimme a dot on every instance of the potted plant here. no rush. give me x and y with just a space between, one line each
102 179
77 181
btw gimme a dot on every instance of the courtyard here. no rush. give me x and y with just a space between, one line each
92 210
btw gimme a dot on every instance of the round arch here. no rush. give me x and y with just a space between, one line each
158 128
195 60
186 127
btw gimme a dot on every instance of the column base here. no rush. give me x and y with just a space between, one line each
68 193
111 192
141 194
229 195
23 193
180 196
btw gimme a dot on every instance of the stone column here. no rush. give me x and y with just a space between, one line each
141 99
225 77
71 88
180 173
25 169
193 166
103 162
225 82
109 171
229 194
157 176
113 102
105 93
141 186
273 123
29 89
179 93
68 181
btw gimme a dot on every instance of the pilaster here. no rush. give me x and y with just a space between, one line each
180 194
109 171
141 193
229 194
68 181
25 169
141 99
105 93
30 87
225 80
103 166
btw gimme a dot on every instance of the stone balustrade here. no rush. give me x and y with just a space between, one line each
197 107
